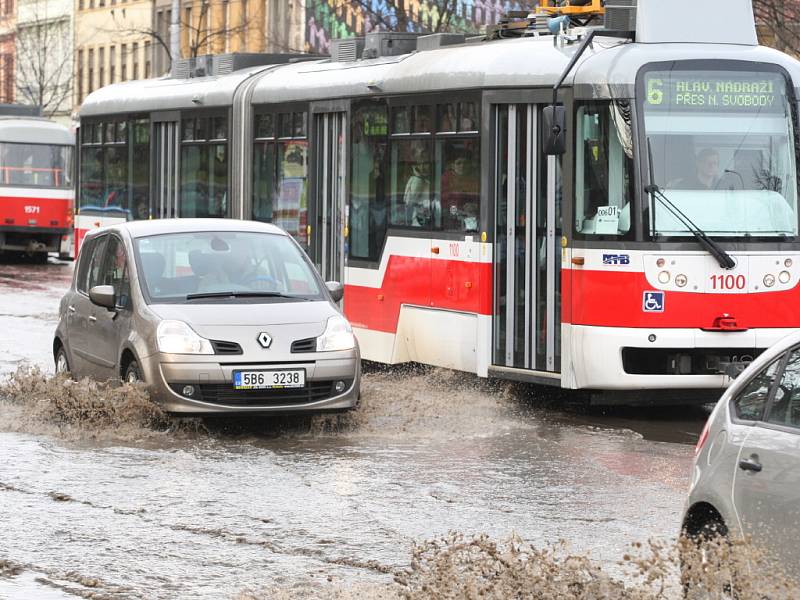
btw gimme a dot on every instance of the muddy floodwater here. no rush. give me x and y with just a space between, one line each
213 509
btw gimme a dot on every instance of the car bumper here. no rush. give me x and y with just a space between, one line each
212 382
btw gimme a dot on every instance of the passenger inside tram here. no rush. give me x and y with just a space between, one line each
460 188
417 195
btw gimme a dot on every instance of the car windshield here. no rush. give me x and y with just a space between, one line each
224 266
723 151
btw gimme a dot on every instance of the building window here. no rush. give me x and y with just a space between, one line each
80 76
135 52
90 82
7 78
112 64
123 62
147 60
204 167
101 67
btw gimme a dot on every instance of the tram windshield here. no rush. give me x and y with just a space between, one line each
723 151
37 165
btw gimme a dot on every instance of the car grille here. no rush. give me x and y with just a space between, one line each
221 347
307 345
224 393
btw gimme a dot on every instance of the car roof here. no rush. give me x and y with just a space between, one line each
138 229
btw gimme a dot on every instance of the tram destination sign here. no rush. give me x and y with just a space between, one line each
722 91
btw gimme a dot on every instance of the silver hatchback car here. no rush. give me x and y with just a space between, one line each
214 316
746 474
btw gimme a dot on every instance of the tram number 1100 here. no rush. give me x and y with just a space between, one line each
728 282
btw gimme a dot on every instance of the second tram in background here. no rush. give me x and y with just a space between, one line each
36 184
651 245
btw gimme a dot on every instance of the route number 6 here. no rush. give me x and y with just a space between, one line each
655 92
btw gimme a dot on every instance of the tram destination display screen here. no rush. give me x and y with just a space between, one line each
715 91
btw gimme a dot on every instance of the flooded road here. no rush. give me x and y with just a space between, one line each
209 510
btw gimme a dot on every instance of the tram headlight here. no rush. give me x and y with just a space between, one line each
664 277
660 262
681 280
784 276
787 263
769 280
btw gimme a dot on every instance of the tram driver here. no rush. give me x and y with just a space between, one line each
706 176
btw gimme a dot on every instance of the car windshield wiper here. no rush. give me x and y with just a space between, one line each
233 294
723 258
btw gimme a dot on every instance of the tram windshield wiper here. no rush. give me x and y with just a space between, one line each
232 294
723 258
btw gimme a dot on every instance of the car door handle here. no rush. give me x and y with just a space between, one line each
92 319
750 464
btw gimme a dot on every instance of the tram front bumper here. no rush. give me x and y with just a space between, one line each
618 358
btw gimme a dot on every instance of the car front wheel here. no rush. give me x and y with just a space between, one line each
132 373
62 363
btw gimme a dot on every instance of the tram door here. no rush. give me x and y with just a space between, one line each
526 321
166 148
330 150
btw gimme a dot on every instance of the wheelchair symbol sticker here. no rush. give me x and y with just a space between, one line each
653 302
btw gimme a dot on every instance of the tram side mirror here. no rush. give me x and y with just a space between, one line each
554 141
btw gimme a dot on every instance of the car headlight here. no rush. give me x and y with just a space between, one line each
176 337
338 335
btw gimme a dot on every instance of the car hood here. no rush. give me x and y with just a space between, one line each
246 314
242 323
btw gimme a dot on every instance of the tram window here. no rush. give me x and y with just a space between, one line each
422 119
204 180
140 176
410 186
285 125
604 169
448 118
368 218
200 129
401 120
299 123
220 128
458 183
264 126
121 132
91 176
468 116
263 180
290 207
188 130
115 192
458 117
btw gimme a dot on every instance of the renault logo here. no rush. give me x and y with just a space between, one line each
264 339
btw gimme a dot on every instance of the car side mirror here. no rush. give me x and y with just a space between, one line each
554 127
336 290
103 295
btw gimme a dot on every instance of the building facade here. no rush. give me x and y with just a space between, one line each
44 56
113 42
8 50
221 26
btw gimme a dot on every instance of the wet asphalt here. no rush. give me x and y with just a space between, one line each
215 508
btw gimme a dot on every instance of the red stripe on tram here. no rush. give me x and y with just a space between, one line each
446 284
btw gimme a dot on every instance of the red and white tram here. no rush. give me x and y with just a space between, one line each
36 184
649 242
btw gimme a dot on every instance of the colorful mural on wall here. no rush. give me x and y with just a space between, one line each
331 19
